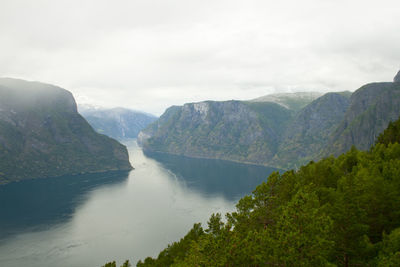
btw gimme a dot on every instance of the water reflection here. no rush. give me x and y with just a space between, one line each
34 205
214 177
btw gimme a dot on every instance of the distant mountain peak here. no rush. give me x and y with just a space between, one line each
397 78
119 123
294 101
89 109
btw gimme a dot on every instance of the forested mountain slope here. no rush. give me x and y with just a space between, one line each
336 212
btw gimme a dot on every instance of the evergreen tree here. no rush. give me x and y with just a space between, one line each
335 212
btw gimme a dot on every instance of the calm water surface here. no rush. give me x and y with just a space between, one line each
87 220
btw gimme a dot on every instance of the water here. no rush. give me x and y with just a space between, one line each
88 220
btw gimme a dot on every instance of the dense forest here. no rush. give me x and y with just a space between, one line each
340 211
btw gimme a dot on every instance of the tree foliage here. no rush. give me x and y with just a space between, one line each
336 212
391 134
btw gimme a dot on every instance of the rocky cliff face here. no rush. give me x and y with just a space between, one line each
255 132
371 109
310 129
270 134
118 123
234 130
42 135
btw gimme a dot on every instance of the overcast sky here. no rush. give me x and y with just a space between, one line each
151 54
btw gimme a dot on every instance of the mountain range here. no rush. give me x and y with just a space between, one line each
117 123
282 131
43 135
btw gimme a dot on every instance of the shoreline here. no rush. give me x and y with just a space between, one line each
210 158
7 182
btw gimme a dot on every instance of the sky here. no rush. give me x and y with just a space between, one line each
150 54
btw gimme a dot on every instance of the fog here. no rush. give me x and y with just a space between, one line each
148 55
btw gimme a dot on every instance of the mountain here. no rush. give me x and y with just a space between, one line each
234 130
310 128
263 131
294 101
272 132
118 123
42 135
397 78
371 109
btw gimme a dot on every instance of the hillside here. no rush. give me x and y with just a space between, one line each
117 123
309 130
371 109
42 135
234 130
336 212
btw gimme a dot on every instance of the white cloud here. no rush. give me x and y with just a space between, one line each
151 54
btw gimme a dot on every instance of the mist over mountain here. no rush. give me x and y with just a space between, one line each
294 101
283 130
42 135
118 123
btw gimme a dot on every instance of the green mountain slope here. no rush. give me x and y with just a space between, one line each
233 130
309 130
371 109
42 135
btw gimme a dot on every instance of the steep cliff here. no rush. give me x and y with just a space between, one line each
371 109
308 132
233 130
271 131
42 135
255 132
